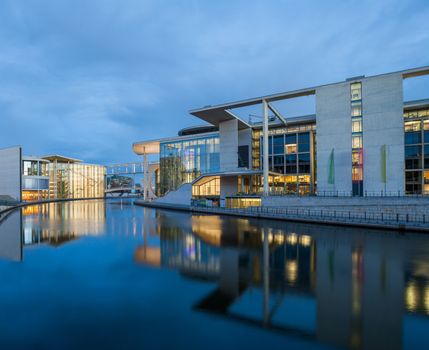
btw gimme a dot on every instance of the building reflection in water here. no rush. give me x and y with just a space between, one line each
342 286
57 223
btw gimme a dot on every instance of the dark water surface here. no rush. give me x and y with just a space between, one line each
112 275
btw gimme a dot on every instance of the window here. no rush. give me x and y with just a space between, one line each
279 160
290 148
243 156
357 173
356 109
357 141
413 157
304 142
278 143
356 158
304 163
413 151
413 176
412 126
413 137
291 163
356 91
290 139
426 131
426 156
357 125
30 168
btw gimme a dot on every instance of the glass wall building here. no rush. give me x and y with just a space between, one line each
182 161
291 152
35 179
416 126
58 177
362 140
68 178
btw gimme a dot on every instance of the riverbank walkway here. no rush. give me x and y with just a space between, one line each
416 219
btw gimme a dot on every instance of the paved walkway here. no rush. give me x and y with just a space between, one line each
418 221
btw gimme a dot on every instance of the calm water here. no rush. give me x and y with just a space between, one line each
113 275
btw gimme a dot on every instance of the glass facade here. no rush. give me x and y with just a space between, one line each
76 180
291 152
416 127
35 180
183 161
357 138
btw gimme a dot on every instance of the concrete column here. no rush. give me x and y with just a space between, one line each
145 173
265 146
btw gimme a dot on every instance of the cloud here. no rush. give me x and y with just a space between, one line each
88 78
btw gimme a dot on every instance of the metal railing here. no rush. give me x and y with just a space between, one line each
328 215
341 194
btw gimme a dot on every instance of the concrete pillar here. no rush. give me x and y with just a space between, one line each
265 146
145 174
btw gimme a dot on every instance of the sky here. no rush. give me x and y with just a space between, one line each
87 78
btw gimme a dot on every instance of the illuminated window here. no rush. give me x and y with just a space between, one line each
357 141
412 126
290 148
356 109
357 125
357 174
356 158
356 91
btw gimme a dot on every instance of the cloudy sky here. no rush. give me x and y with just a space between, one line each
86 78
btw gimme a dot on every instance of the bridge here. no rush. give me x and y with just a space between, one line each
122 173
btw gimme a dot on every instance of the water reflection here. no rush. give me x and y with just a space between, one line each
339 286
350 288
57 223
10 236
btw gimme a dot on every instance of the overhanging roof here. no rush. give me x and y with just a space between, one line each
152 146
60 158
219 113
410 105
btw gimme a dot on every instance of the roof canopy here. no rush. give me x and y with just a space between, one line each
220 113
61 159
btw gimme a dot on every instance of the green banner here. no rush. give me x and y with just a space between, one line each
383 163
331 175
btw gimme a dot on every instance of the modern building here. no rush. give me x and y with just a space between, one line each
363 140
59 177
35 179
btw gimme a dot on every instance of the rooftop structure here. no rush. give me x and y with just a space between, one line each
362 140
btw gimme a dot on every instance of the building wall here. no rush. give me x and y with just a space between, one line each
383 124
10 172
228 186
245 139
382 103
76 180
228 138
334 132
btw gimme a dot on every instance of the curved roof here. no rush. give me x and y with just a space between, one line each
199 129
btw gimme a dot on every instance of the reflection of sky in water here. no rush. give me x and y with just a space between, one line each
87 277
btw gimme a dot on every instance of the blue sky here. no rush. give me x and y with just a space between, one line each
86 78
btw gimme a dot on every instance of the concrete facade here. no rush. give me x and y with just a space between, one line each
10 172
377 133
228 141
228 186
383 124
333 133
